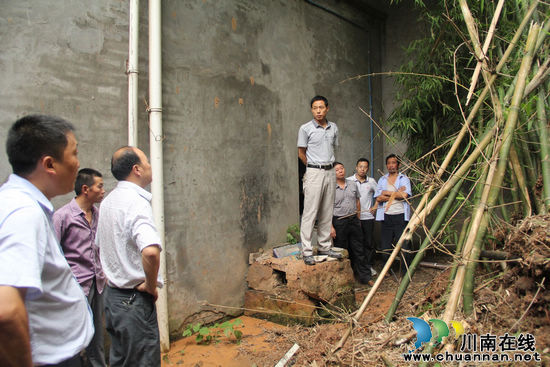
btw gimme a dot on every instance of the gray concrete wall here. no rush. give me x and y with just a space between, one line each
238 76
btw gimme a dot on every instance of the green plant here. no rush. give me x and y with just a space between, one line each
208 334
293 234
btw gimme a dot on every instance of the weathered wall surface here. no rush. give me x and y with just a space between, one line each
238 76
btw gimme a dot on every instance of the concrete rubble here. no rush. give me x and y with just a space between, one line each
285 290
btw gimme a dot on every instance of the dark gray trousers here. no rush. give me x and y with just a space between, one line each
131 320
95 352
367 227
75 361
392 229
350 237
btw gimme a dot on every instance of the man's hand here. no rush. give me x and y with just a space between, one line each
143 288
332 232
374 208
15 348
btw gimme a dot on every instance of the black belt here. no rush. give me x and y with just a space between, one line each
345 217
321 166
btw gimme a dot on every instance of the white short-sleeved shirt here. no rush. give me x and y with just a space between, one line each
401 180
367 189
126 226
60 320
318 141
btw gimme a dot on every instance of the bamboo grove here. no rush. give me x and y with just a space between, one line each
485 111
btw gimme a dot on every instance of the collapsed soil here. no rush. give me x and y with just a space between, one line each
511 298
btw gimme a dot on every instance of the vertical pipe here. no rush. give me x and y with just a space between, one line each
371 165
155 142
132 72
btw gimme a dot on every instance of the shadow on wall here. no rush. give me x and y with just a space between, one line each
254 211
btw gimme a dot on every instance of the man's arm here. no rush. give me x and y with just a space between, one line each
15 347
358 208
400 194
302 155
150 258
383 197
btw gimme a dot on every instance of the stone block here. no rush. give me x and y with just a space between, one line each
284 306
262 277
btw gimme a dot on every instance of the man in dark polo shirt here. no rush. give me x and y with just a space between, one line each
316 141
346 227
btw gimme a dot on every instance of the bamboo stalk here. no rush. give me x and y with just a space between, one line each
540 76
483 94
459 245
415 221
527 159
480 219
422 250
544 138
522 184
424 208
478 104
469 267
485 48
515 196
505 208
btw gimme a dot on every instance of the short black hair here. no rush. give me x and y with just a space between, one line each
85 177
34 136
318 98
124 162
337 163
362 160
393 156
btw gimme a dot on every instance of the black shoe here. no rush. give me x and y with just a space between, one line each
309 260
331 253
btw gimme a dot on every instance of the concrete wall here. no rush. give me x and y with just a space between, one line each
238 76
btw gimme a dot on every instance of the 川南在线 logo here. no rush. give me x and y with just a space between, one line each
424 332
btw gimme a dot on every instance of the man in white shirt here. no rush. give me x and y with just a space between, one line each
367 187
44 314
130 254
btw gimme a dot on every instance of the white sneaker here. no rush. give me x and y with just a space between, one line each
373 272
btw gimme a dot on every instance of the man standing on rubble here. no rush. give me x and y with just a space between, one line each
367 187
130 254
316 141
346 227
392 192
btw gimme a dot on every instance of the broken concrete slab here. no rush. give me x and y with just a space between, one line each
262 277
282 284
285 307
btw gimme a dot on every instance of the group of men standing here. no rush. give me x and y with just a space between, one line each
343 209
62 271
